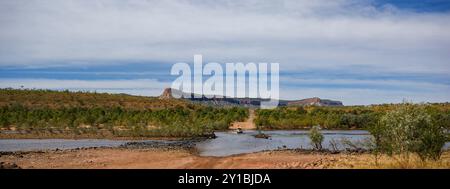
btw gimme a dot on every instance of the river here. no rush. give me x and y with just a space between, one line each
226 143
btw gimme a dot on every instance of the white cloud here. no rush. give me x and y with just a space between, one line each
348 35
297 34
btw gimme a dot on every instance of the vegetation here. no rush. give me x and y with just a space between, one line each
384 161
316 137
66 99
347 117
52 112
411 129
398 129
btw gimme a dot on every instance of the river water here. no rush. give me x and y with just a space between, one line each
230 143
226 143
10 145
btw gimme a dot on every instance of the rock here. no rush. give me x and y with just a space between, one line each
211 135
314 101
6 165
239 131
262 135
170 93
169 145
167 94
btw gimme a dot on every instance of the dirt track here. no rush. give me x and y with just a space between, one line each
247 124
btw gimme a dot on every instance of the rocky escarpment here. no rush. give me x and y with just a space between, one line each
167 94
247 102
314 102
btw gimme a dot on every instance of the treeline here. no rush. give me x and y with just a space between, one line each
66 99
348 117
402 130
172 122
78 113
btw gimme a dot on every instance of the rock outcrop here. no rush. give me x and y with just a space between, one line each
169 93
314 102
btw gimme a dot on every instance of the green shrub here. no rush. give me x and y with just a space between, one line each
410 128
316 137
177 121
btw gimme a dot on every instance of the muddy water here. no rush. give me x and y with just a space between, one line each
230 143
226 143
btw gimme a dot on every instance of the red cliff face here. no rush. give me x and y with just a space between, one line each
315 101
167 94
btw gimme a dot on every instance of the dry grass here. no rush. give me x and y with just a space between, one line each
65 99
369 161
182 159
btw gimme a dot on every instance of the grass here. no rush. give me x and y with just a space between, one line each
369 161
65 99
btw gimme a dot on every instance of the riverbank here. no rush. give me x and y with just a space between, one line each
185 158
89 136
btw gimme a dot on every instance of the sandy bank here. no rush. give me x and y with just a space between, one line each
182 158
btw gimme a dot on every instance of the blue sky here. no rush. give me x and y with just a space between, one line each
359 52
416 5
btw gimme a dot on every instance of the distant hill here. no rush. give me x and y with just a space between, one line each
312 101
169 93
66 99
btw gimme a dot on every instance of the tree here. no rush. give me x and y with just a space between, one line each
316 137
408 129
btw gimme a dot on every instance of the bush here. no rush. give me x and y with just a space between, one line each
408 129
178 121
316 137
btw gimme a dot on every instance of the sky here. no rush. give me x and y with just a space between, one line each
357 51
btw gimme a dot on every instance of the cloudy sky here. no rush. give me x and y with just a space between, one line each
356 51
